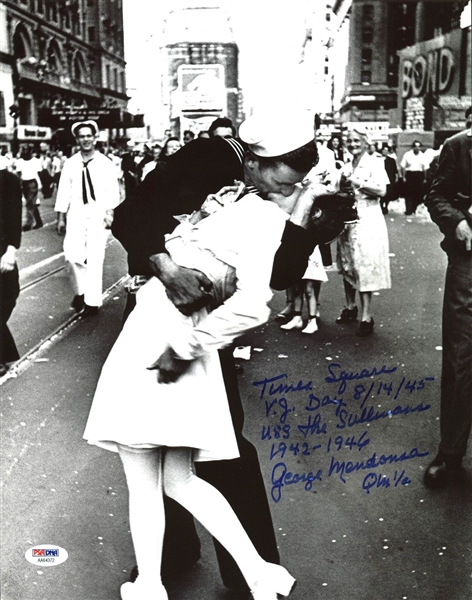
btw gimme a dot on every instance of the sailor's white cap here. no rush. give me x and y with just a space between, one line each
270 135
92 124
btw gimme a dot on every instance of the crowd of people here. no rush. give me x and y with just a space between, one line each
167 399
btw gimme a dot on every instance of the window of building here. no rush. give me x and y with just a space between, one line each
367 12
91 34
366 56
367 34
21 43
401 33
54 57
366 77
90 2
53 11
123 83
78 68
67 19
107 76
326 70
115 79
40 6
26 111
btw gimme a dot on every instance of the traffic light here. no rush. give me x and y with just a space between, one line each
14 111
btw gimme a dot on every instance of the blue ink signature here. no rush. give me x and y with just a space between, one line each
341 467
370 414
281 388
378 480
282 477
345 376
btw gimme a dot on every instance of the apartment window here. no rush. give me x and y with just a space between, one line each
123 83
91 34
107 73
40 6
115 79
366 77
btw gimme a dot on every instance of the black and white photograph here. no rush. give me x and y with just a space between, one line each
236 299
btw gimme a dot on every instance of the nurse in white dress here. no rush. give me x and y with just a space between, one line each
362 251
160 429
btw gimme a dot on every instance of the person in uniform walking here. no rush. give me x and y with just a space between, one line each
87 195
449 204
10 237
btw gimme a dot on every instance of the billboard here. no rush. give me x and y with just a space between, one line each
201 88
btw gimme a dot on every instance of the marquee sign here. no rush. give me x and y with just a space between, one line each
65 116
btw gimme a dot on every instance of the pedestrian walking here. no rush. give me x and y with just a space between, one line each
449 204
362 249
170 416
10 237
413 169
391 169
87 195
28 167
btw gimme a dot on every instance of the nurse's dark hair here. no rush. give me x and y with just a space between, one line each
301 160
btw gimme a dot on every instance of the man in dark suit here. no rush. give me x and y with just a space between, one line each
392 172
449 203
10 237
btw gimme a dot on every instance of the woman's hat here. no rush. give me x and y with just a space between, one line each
76 126
275 135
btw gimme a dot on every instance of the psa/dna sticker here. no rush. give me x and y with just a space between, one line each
46 555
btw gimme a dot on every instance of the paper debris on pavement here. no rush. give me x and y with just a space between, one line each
242 352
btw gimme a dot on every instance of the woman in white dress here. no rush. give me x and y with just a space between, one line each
362 251
160 428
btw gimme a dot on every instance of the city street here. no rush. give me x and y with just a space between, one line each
344 426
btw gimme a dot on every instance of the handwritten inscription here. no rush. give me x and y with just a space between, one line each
302 423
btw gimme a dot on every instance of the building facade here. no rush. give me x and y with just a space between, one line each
61 61
200 81
378 31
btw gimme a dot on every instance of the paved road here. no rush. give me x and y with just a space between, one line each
348 526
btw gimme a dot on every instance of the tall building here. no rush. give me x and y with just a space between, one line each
378 31
61 60
201 78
